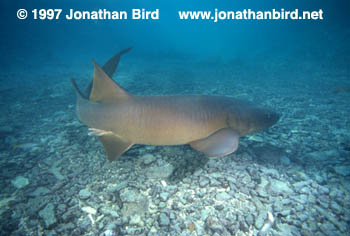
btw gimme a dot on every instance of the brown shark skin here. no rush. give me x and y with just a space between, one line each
175 120
210 124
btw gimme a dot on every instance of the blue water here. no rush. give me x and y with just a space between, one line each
298 170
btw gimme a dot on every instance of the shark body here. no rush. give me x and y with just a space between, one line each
210 124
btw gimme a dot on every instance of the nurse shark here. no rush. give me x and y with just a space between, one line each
209 124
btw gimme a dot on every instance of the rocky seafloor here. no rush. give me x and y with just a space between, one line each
293 179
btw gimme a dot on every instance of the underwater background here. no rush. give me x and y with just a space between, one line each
293 179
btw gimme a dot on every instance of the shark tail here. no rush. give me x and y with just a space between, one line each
79 94
91 110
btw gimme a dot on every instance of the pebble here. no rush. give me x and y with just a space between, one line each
84 194
48 215
130 195
164 196
285 213
301 184
278 187
109 212
20 182
163 219
336 207
203 193
160 172
116 188
223 196
214 225
39 192
148 159
260 219
136 221
203 181
89 210
343 170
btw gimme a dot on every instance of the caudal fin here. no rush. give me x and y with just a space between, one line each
79 94
111 65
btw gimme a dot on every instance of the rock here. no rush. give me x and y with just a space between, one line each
65 228
323 189
223 196
219 207
20 182
40 191
301 184
343 170
130 195
61 208
286 229
160 172
249 219
111 230
109 212
89 210
84 194
328 229
214 225
278 187
56 172
261 188
108 232
134 231
162 205
163 219
285 161
336 193
322 157
260 219
204 214
303 217
215 183
285 213
48 215
164 196
256 138
148 159
118 187
203 181
299 207
335 206
136 221
84 223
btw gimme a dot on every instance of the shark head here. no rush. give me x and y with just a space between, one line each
250 118
264 119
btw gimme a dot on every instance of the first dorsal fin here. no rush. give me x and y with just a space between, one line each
104 89
109 67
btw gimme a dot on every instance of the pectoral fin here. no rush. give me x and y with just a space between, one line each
114 146
219 144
